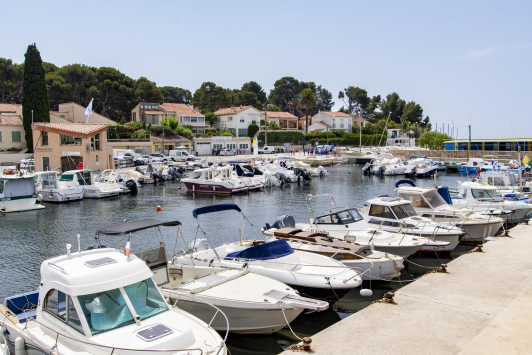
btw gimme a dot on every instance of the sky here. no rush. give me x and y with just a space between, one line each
465 62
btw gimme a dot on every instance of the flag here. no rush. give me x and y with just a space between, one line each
493 164
127 249
255 147
88 110
526 160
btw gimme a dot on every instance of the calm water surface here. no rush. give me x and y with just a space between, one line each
28 238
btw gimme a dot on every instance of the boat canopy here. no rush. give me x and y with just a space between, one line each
123 228
17 187
417 156
215 208
238 161
271 250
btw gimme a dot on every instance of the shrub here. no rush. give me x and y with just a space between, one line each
140 134
173 123
157 130
252 130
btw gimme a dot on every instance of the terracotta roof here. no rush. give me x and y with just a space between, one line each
153 112
168 139
10 120
71 129
182 109
277 114
336 114
232 110
8 107
323 124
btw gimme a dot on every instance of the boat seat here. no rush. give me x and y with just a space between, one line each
24 306
286 232
309 234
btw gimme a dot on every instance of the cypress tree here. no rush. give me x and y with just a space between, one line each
34 93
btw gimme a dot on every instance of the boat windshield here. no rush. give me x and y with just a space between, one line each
381 211
400 211
481 194
434 199
146 299
356 216
105 311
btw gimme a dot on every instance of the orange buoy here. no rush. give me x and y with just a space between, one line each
159 208
179 187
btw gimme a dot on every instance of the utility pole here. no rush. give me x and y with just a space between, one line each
265 128
469 145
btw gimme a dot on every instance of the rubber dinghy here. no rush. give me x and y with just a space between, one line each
313 275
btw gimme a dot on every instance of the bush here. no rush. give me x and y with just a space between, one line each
119 131
140 134
226 134
182 131
282 136
433 140
13 149
135 126
252 130
173 123
340 137
157 130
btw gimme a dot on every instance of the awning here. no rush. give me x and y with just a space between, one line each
123 228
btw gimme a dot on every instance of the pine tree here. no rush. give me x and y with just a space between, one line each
34 93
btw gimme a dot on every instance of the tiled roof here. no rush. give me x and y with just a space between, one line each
71 129
168 139
336 114
8 107
232 110
324 124
153 112
10 120
277 114
182 109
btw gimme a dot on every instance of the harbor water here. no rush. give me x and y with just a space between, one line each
28 238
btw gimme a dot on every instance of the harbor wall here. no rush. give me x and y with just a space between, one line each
481 306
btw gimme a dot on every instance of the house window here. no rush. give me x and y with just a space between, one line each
242 120
186 119
281 123
229 119
134 116
95 142
242 132
15 136
97 159
44 138
62 307
45 164
69 140
253 122
194 119
244 146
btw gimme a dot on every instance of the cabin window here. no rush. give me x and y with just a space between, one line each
48 181
146 299
409 209
324 220
345 217
105 311
480 194
498 181
381 211
400 211
95 142
62 306
355 214
1 186
417 200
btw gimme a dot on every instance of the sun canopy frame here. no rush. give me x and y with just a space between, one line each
130 227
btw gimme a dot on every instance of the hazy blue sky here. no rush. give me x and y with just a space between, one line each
467 60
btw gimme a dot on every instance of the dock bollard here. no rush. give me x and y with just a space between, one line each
306 343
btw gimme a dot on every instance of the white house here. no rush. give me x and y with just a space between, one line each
319 127
396 137
338 121
237 119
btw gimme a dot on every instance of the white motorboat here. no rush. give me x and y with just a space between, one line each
214 180
397 215
487 200
372 264
420 167
18 194
100 301
428 202
345 223
266 177
91 188
314 172
507 183
239 172
394 166
252 303
314 275
52 189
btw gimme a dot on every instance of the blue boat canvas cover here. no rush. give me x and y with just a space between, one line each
270 250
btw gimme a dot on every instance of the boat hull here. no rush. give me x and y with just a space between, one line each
92 192
60 196
19 204
213 188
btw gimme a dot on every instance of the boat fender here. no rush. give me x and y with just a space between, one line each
366 292
20 346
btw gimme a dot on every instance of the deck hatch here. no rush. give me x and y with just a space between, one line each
100 262
155 332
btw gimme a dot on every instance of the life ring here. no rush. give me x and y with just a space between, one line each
9 172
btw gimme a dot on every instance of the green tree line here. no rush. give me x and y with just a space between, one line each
115 94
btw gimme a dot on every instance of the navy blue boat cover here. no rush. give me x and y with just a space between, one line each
271 250
215 208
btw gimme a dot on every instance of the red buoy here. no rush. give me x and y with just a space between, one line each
179 187
159 208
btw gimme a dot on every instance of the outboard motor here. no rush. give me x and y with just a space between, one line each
198 245
284 221
367 168
174 174
132 186
141 180
282 177
302 173
181 170
157 176
323 171
381 170
149 170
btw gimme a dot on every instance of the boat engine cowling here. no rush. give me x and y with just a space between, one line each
284 221
198 245
367 168
132 185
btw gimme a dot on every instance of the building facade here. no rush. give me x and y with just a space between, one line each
495 144
338 121
237 119
207 146
62 146
12 134
285 120
75 113
186 115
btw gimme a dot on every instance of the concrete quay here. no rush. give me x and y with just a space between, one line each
482 306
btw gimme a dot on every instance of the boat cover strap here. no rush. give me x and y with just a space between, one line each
270 250
215 208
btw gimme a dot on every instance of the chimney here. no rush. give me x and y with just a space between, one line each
192 107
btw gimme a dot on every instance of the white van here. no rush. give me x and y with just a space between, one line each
180 155
267 149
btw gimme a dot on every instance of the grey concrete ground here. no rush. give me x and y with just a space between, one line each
482 306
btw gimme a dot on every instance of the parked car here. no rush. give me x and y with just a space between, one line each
160 156
226 151
180 155
149 159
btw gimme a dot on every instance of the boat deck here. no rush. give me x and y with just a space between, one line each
482 306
